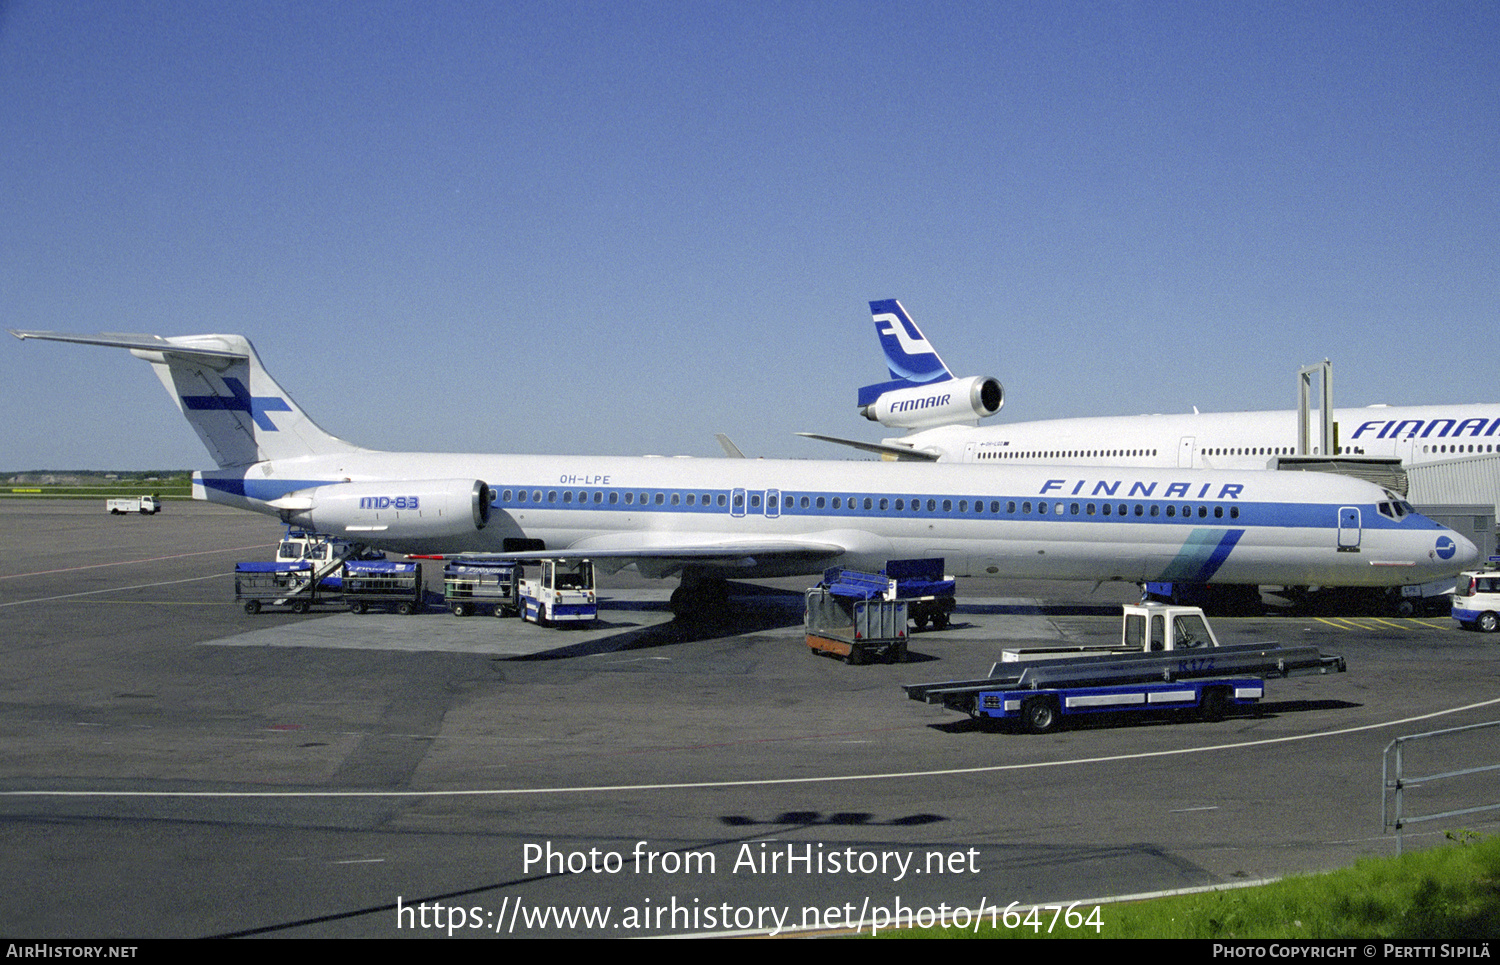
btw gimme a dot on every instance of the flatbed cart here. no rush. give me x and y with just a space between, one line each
259 584
388 584
1168 658
469 585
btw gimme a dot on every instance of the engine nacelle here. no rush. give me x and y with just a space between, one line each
400 509
950 402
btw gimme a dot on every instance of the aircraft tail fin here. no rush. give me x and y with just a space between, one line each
910 357
239 412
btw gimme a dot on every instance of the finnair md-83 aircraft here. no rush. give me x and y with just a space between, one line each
713 519
941 413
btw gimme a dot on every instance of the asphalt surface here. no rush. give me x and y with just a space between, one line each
175 767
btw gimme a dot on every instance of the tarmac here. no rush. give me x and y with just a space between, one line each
175 767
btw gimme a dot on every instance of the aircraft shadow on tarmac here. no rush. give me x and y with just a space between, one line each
770 609
809 819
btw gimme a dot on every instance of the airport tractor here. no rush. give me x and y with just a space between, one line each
121 505
557 592
1167 659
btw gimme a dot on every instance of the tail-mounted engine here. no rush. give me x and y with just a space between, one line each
950 402
421 509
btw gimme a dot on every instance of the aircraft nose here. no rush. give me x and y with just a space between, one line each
1453 552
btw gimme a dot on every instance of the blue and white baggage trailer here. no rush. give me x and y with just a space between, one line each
1173 662
387 584
929 593
471 584
258 584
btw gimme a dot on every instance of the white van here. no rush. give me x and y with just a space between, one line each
1476 600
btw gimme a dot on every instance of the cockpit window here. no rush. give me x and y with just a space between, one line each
1394 507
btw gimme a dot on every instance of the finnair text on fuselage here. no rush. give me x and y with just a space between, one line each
1428 428
1144 490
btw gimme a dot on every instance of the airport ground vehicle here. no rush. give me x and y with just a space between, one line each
1476 600
145 505
258 584
1168 659
556 591
928 593
300 584
387 584
317 548
470 584
856 616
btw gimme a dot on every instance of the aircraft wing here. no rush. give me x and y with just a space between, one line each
901 453
668 553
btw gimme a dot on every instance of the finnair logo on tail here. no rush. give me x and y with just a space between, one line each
242 401
907 351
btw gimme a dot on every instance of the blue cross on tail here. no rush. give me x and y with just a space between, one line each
256 406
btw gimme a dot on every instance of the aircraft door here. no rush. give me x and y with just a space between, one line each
1185 449
1349 529
736 502
773 503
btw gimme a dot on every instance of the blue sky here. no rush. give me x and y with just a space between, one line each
622 227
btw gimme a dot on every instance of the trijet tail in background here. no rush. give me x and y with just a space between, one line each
922 394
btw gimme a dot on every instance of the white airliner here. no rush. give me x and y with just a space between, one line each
718 518
942 413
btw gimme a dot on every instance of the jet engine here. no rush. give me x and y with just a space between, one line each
396 510
950 402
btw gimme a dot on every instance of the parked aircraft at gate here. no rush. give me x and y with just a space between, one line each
715 518
942 414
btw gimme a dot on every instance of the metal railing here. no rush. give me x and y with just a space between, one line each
1395 782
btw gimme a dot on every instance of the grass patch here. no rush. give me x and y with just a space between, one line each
83 484
1450 893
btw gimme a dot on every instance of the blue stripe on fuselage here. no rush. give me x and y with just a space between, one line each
1201 556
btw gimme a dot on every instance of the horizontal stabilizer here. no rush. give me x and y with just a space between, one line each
899 453
138 343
